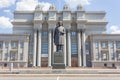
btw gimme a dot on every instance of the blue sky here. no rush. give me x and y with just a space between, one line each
112 8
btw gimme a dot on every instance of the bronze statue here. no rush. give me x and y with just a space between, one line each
59 36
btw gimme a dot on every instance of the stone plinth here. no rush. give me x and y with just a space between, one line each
58 60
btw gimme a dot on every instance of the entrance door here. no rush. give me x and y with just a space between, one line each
74 60
44 61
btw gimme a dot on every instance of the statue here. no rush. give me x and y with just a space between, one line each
58 56
59 36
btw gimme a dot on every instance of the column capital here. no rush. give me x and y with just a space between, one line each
68 30
50 29
35 30
83 30
39 30
67 26
37 26
51 26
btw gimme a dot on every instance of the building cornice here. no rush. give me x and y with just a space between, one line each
87 12
52 21
37 21
97 22
96 35
83 21
14 35
28 12
16 22
95 12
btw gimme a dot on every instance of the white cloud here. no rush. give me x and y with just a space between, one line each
74 3
31 4
6 3
114 30
5 22
8 11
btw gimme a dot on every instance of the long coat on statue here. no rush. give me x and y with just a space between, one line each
59 35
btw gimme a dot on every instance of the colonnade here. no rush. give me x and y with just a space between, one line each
67 47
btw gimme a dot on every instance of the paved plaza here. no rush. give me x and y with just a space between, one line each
60 77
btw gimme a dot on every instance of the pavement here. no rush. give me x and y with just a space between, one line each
61 71
60 77
57 74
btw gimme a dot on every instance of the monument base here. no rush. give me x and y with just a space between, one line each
58 60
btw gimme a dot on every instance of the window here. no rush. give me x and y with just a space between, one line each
44 34
87 45
5 56
14 45
0 55
1 45
74 48
45 18
113 65
111 45
21 56
73 18
21 44
66 15
104 45
97 56
59 18
73 33
45 48
112 56
80 15
118 44
6 44
104 56
13 56
96 45
118 56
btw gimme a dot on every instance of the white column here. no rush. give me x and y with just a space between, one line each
18 53
109 51
34 49
64 49
115 51
3 51
18 50
83 46
69 48
25 52
93 50
8 51
54 46
79 48
39 49
99 50
49 48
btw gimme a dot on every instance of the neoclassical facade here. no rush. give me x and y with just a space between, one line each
14 49
83 30
40 25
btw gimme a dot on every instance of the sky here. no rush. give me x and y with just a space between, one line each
111 7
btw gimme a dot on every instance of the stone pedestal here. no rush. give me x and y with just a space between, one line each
58 60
